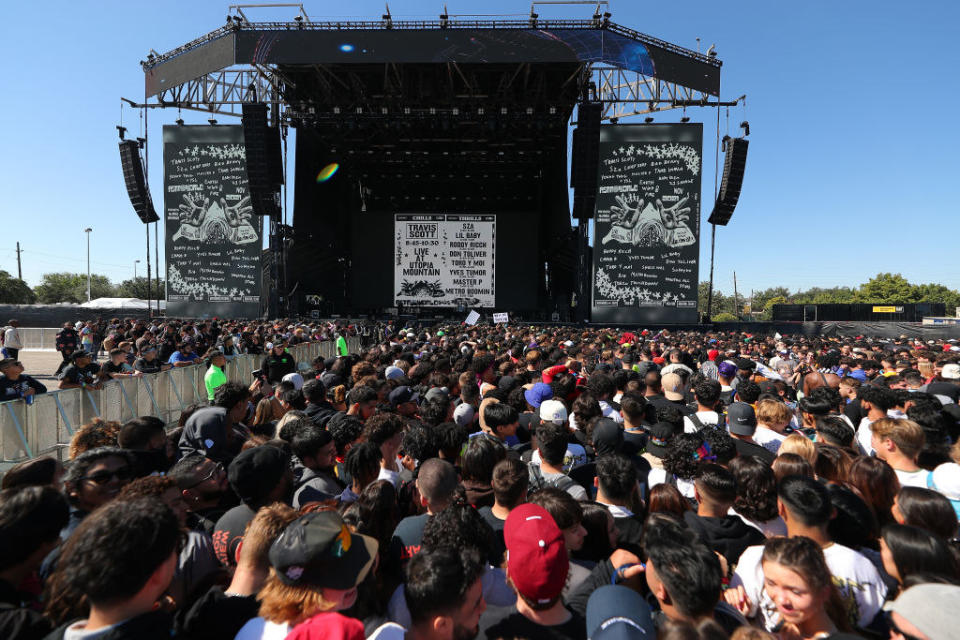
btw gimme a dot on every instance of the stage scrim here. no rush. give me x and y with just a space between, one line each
213 239
445 260
646 233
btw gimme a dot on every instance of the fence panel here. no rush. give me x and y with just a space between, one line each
46 426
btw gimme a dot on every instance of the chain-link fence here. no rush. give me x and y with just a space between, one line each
46 426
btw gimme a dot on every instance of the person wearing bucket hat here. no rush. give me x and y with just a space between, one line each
658 443
315 567
922 612
537 568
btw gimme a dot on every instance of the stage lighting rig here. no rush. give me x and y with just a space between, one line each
122 131
685 119
179 121
648 119
746 128
212 121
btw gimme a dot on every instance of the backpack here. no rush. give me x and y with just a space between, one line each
721 421
537 481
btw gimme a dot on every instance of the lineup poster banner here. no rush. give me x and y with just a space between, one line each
444 260
213 240
646 231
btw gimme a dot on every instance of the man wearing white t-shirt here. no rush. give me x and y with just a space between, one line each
707 394
804 504
898 442
773 417
876 401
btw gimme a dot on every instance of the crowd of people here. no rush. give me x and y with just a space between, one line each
453 482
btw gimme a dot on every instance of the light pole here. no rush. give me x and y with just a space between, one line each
87 231
135 263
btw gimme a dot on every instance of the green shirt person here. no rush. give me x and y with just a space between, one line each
215 377
341 345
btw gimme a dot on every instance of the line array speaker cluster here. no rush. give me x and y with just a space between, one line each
734 164
585 159
137 189
264 164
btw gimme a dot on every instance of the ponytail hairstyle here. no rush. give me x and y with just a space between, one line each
804 557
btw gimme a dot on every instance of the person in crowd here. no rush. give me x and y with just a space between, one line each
618 489
911 555
121 559
806 509
148 362
31 518
756 501
567 514
386 431
66 344
898 442
316 451
537 566
509 482
259 476
277 363
918 613
926 509
216 431
716 493
184 356
548 471
362 466
35 472
477 462
436 484
82 373
14 383
215 377
203 485
12 342
797 579
146 439
316 564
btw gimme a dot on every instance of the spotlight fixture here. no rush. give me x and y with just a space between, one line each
142 142
212 121
746 127
648 119
122 131
179 121
685 119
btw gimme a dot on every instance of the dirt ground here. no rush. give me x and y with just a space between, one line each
42 365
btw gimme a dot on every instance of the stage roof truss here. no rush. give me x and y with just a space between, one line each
624 92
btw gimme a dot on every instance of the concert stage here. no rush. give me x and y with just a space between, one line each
431 159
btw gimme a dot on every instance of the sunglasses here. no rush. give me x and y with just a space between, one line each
103 477
216 470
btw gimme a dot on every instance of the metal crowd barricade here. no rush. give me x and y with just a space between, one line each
46 426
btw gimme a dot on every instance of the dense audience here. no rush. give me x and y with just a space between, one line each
454 482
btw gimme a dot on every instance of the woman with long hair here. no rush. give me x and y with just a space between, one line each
877 483
914 553
796 577
756 502
926 509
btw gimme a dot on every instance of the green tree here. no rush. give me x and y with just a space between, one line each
760 298
14 290
724 317
72 287
887 287
720 301
137 288
938 293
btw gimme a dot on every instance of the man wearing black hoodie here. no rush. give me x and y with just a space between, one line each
715 490
319 410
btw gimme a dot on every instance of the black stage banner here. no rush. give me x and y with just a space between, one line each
646 232
213 239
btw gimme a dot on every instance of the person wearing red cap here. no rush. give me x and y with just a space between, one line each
537 568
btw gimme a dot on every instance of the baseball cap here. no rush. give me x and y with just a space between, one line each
403 394
741 419
392 372
318 550
437 393
536 394
295 378
463 414
615 612
255 472
672 386
712 354
553 411
925 606
951 371
675 368
658 438
81 354
727 369
536 555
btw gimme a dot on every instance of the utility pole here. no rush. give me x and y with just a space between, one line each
87 231
19 269
736 299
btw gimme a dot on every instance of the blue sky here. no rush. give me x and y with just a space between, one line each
852 169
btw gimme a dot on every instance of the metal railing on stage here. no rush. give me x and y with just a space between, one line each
46 426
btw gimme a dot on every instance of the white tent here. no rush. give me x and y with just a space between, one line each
122 304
